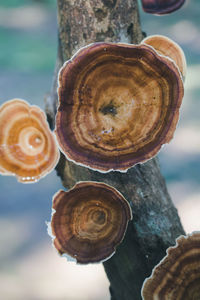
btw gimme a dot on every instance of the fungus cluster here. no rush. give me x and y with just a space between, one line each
27 147
177 276
161 7
89 221
118 104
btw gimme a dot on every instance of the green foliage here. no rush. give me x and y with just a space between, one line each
25 52
17 3
14 3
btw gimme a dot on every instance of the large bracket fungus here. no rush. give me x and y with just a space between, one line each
167 47
177 276
28 148
161 7
89 221
118 104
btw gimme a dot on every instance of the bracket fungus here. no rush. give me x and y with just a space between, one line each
89 221
177 276
28 148
161 7
167 47
118 104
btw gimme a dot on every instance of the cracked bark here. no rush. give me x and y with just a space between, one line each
155 223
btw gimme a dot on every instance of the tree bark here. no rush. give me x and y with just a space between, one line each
155 223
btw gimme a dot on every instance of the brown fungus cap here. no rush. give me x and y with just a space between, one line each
161 7
177 276
89 221
118 104
165 46
28 148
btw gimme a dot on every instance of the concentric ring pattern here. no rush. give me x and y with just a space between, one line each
28 148
89 221
177 276
118 103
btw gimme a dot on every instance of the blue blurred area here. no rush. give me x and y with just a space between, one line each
28 37
27 58
19 201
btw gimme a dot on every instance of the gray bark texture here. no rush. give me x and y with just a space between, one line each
155 224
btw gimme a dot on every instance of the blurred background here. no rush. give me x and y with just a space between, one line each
29 267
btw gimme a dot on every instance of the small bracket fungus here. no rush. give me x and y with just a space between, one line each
28 148
177 276
118 104
165 46
161 7
89 221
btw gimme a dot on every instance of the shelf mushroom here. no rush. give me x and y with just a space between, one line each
167 47
161 7
118 104
177 276
28 148
89 221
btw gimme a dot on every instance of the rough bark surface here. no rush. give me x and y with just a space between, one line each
155 223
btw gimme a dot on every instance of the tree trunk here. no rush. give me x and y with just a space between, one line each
155 223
